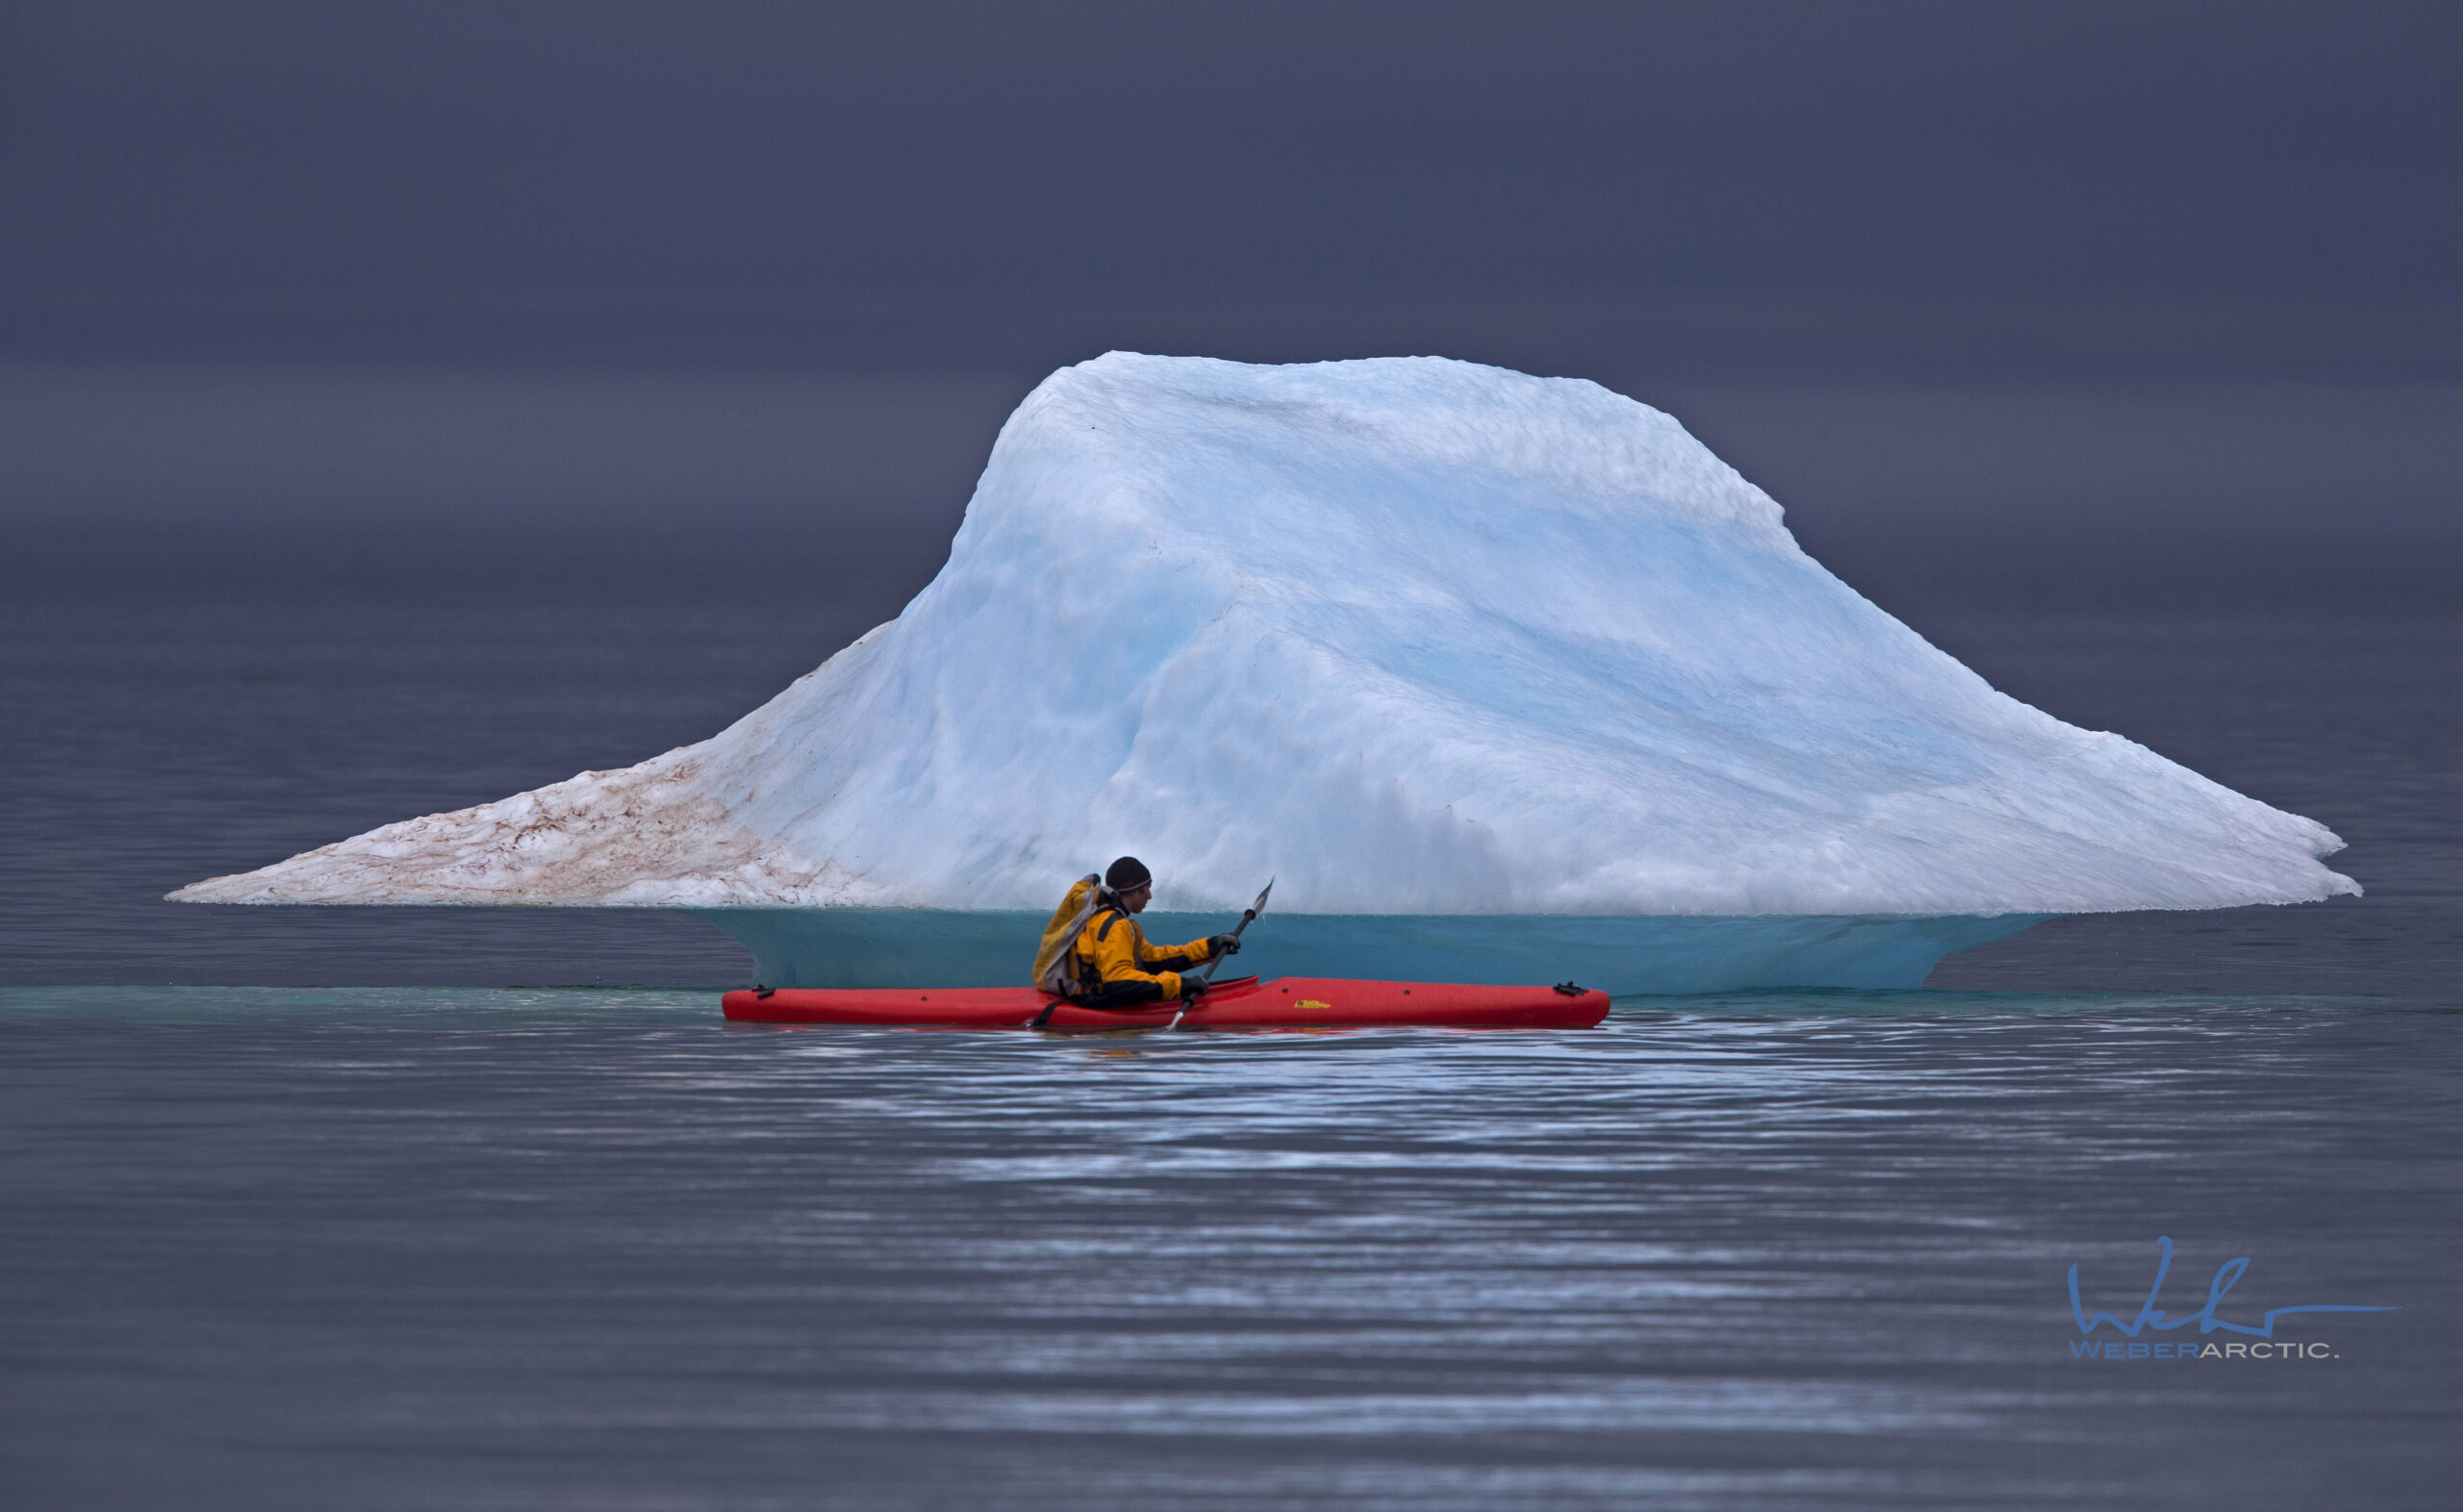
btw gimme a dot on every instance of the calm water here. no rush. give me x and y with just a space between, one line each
468 1246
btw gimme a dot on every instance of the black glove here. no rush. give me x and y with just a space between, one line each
1217 946
1193 988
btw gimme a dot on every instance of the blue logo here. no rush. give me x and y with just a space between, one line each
2151 1315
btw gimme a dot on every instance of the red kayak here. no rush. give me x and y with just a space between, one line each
1287 1002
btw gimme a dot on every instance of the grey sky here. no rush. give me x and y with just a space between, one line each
1886 256
970 187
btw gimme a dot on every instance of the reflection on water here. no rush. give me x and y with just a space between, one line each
415 1248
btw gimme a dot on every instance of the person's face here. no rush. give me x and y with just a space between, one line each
1134 899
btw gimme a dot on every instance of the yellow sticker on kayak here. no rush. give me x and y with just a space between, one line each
1311 1002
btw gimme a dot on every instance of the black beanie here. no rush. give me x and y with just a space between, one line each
1127 875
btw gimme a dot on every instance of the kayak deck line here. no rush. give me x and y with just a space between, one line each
1287 1002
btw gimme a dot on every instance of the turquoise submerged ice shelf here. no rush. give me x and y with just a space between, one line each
945 948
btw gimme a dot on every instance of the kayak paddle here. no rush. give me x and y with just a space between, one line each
1246 918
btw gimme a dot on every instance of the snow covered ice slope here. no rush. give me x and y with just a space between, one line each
1488 670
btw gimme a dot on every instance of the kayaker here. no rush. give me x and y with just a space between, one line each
1095 954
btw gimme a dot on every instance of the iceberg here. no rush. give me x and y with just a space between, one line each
1501 678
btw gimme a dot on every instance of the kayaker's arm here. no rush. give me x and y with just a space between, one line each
1177 958
1121 954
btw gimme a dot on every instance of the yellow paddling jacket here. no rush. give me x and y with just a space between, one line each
1091 943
